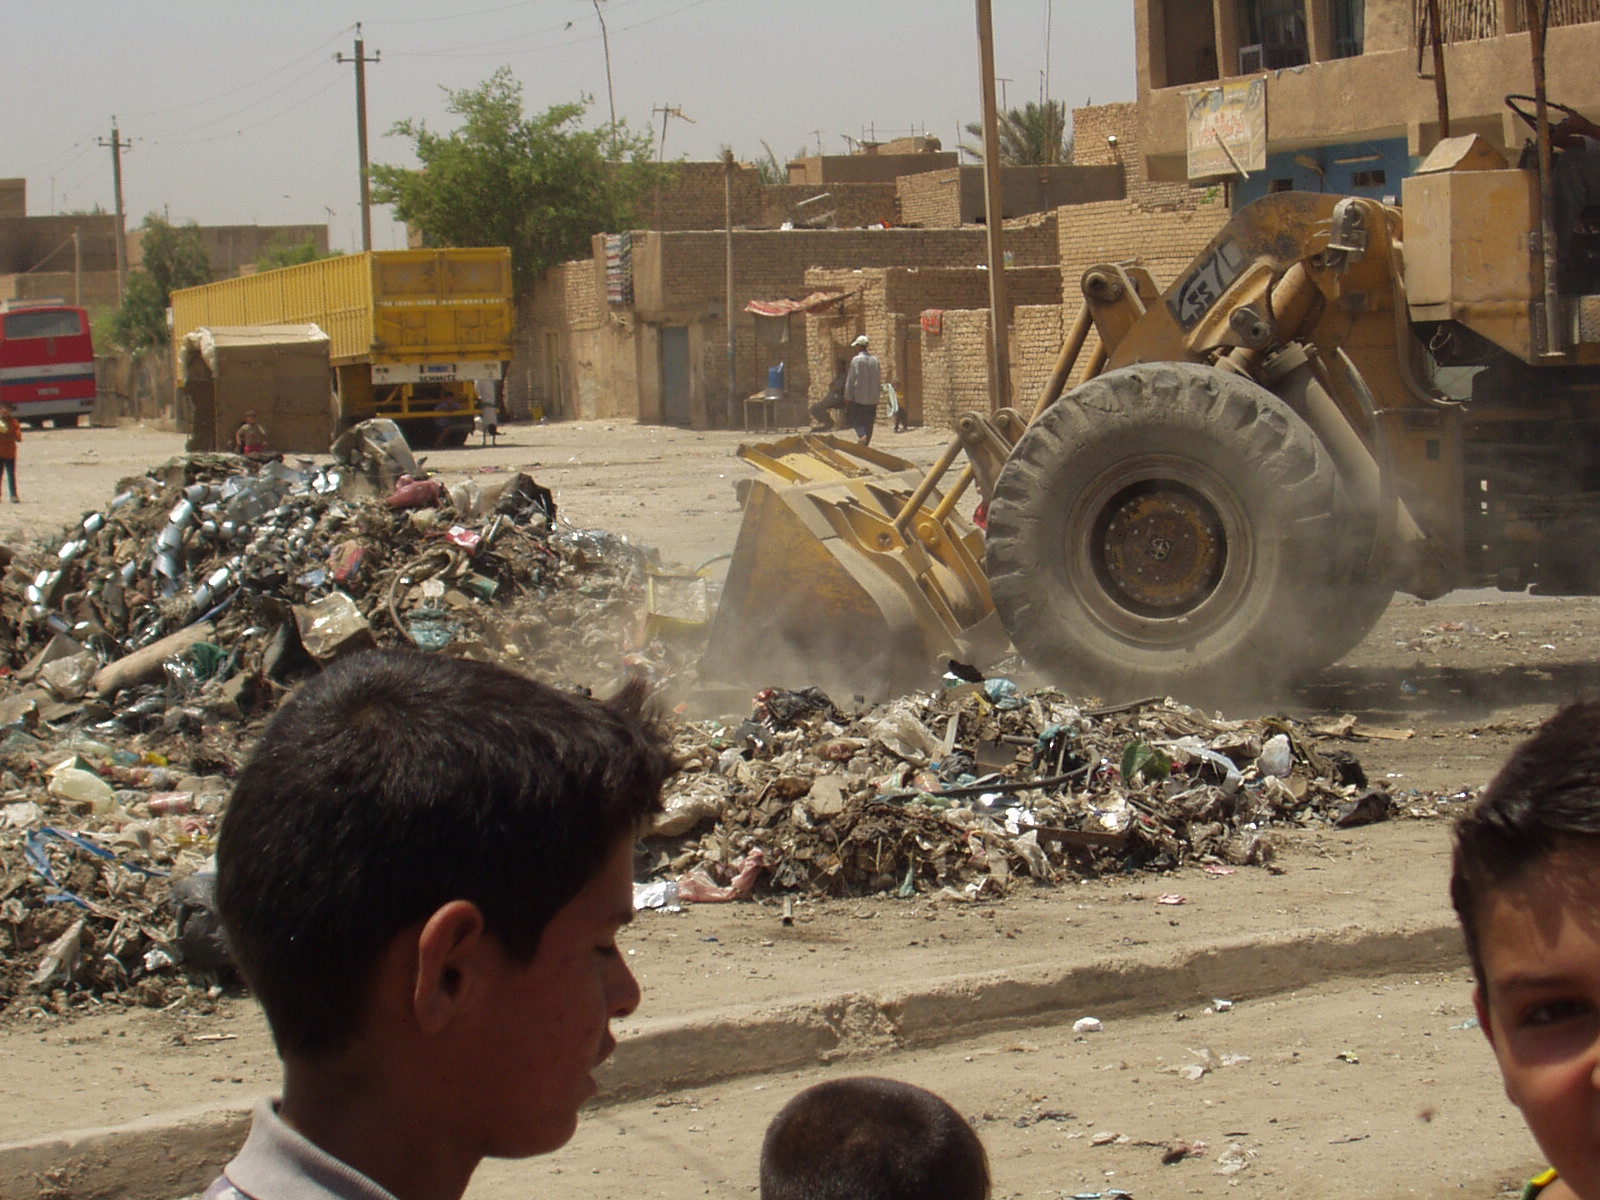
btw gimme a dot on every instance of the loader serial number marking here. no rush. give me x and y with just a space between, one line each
1204 287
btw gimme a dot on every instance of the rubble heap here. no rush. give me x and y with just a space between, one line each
972 788
147 642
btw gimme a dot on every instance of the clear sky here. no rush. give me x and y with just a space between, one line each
238 113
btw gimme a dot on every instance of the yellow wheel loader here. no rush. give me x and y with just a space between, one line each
1338 400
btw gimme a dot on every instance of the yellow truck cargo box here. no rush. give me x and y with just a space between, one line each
401 310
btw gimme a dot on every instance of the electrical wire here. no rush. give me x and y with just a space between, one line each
212 121
243 129
192 105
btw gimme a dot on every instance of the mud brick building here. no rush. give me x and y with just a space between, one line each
638 331
37 258
1347 108
655 350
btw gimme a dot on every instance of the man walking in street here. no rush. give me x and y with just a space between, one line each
862 387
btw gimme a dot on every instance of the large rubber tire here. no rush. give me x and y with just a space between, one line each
1166 529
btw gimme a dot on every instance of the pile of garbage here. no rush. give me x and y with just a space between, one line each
147 642
971 789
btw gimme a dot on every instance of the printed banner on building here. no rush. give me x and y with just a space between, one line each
1227 128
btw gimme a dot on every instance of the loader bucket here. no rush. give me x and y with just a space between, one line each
823 589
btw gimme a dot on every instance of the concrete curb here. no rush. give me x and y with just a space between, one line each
163 1157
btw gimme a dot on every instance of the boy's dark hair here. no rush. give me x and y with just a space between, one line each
865 1138
395 782
1545 798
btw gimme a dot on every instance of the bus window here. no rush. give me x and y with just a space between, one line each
43 323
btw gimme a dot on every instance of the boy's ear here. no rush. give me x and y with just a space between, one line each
449 944
1480 1005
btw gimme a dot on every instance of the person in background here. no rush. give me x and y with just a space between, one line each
489 410
865 1138
863 386
250 439
822 412
10 436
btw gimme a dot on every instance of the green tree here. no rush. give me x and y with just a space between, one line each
542 184
1035 135
281 252
174 257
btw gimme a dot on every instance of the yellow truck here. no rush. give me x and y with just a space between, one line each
410 331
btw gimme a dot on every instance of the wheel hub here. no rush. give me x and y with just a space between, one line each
1161 549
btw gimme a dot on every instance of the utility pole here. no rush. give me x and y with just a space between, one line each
611 95
1440 87
361 60
992 209
77 269
727 203
117 146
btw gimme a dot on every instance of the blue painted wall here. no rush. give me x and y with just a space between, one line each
1388 156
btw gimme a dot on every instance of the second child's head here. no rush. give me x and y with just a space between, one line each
428 859
865 1138
1525 883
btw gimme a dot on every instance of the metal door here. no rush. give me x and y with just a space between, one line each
675 374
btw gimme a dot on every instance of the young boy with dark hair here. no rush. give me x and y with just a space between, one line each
864 1138
1526 885
422 873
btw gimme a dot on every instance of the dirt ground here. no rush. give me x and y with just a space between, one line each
1454 684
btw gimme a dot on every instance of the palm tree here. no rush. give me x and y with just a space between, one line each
1035 135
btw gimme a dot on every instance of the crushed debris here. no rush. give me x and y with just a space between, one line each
974 790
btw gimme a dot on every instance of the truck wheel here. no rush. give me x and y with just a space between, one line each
1166 528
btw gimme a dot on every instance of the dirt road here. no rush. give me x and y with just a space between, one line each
1454 683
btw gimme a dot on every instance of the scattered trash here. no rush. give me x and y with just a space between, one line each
1348 1056
1087 1025
148 641
663 893
1172 898
1221 1006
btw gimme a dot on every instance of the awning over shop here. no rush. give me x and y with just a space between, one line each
782 308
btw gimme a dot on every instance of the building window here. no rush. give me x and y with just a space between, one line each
1280 185
1349 27
1272 35
1368 179
1188 45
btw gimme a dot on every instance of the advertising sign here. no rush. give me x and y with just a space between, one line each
1227 128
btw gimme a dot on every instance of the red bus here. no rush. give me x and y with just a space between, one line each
46 361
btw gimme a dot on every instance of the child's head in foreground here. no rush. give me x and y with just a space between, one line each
1526 885
865 1138
429 858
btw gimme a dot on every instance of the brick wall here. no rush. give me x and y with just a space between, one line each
887 304
45 243
851 205
931 200
955 367
1090 129
1036 336
695 197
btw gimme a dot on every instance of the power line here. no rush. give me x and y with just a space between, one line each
243 129
191 105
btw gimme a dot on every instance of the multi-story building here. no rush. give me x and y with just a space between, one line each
1351 98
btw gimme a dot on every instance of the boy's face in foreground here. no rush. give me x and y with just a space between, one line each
1539 1004
544 1026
